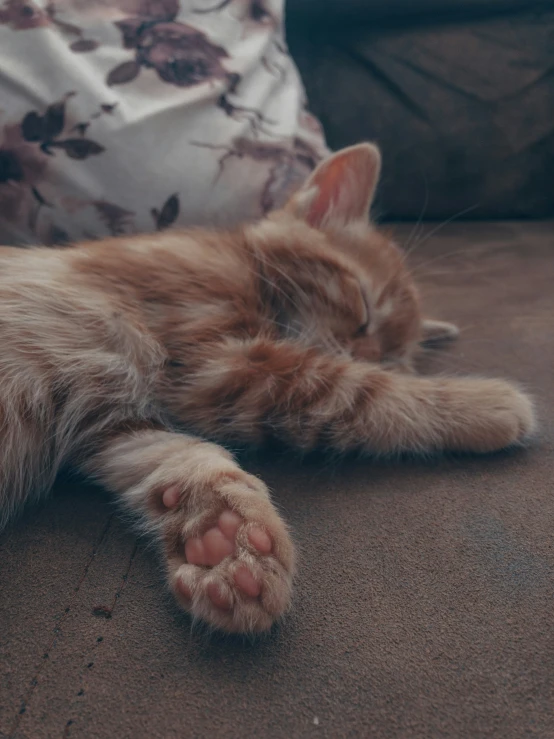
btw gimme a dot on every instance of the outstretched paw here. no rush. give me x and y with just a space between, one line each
232 568
487 415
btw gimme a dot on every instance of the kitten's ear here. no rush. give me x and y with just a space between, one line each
434 332
341 189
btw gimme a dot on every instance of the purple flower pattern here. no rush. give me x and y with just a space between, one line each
185 130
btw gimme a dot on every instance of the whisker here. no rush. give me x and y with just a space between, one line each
438 228
411 242
452 218
437 258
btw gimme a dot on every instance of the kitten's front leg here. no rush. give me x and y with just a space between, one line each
228 555
248 390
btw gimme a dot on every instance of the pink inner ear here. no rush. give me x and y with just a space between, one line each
345 186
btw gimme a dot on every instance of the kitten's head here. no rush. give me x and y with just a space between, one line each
331 277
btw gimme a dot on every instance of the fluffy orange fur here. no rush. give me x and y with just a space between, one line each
129 358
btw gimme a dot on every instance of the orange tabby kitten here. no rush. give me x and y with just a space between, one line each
284 328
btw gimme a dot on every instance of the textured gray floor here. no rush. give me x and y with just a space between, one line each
424 604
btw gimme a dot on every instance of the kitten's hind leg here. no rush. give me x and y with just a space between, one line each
228 555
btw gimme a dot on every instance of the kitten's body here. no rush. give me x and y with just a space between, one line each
110 350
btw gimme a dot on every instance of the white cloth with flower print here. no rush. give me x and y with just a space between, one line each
135 115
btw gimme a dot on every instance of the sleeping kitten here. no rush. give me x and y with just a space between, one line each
300 327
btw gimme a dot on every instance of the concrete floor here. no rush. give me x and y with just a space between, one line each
425 600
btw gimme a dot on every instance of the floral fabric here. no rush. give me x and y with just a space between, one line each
134 115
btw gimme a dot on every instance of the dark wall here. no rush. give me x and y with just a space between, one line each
463 109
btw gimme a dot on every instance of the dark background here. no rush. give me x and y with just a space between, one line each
459 94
